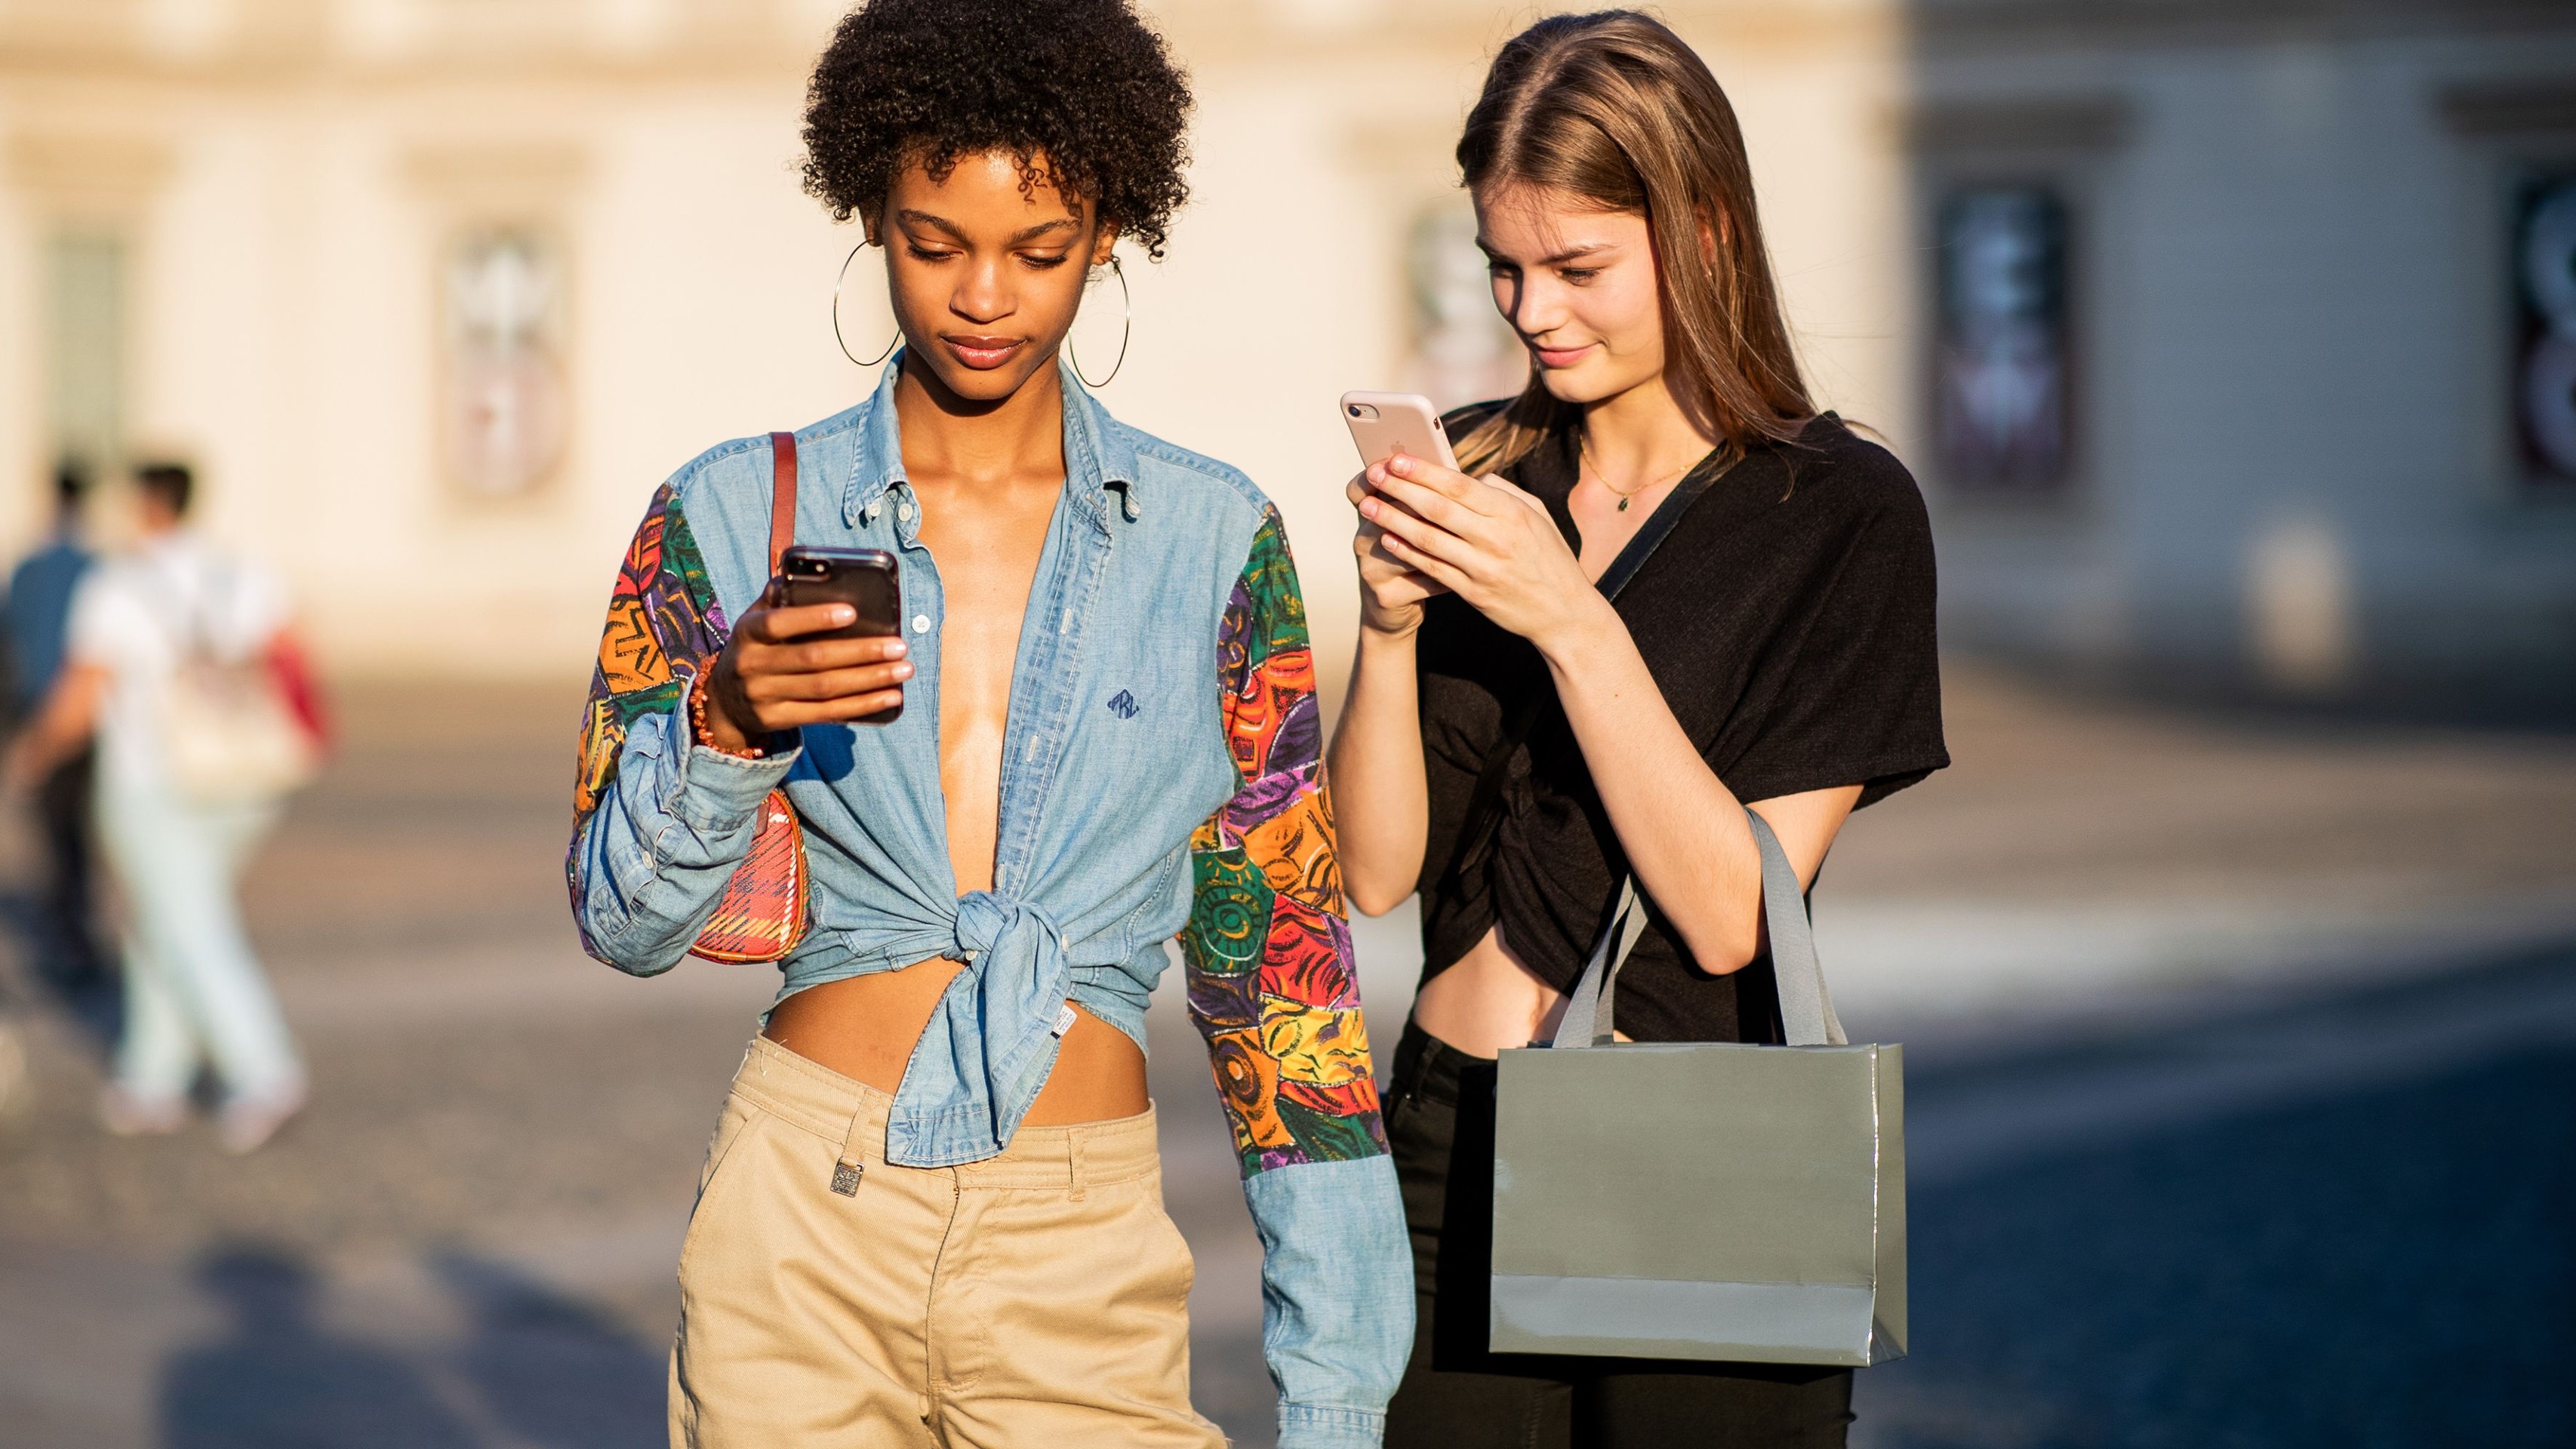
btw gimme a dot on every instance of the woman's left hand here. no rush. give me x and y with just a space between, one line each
1488 542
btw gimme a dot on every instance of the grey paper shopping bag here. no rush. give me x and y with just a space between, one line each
1702 1200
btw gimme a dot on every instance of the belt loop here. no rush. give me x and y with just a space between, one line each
1073 1160
852 1164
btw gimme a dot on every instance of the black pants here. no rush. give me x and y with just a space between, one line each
71 959
1456 1395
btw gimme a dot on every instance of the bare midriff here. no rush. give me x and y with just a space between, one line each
864 1027
1486 1000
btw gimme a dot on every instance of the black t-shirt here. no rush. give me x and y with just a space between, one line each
1788 621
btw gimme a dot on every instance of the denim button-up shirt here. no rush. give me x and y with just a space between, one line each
1161 775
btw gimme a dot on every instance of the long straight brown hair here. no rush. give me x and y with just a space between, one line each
1613 108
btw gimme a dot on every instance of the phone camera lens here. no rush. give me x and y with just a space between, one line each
1355 410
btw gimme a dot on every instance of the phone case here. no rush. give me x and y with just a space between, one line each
864 578
1386 423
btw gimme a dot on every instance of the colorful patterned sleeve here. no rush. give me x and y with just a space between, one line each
1272 982
627 865
663 625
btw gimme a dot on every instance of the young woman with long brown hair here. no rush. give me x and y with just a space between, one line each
1775 650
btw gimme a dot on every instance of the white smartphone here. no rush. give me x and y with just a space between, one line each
1384 424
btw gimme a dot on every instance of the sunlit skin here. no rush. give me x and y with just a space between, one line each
986 280
1579 285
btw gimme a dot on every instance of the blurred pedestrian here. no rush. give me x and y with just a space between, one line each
1514 743
180 661
36 615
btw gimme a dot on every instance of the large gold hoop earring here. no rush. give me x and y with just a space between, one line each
1126 328
838 283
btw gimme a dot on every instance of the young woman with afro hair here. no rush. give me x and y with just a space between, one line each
932 1211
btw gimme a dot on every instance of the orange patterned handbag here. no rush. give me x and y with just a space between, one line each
761 915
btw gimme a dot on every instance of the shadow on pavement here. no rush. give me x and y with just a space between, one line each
535 1369
2358 1236
276 1378
551 1370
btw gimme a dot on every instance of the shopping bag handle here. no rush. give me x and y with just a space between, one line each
1806 1012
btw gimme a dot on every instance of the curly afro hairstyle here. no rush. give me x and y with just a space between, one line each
1081 88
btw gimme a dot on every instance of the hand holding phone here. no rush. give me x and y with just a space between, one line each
1493 545
1382 425
824 646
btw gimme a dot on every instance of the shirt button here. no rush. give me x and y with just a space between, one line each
921 623
875 508
904 513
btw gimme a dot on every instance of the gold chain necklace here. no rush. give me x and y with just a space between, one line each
1583 457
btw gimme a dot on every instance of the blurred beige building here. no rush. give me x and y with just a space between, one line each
2249 338
436 291
2223 336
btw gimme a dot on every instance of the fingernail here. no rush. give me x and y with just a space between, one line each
844 614
1368 508
896 649
1400 463
903 671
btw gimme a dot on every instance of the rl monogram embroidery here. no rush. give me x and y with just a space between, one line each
1123 705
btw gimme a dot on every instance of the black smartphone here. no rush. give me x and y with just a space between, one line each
866 579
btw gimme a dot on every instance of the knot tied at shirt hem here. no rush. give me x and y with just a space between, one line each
992 1037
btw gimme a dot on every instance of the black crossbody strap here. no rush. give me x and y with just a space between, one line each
1484 804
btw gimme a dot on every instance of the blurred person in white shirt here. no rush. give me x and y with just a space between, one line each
146 627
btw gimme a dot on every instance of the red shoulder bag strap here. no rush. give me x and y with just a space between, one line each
762 913
782 497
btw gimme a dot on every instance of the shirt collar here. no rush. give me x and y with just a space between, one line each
1097 454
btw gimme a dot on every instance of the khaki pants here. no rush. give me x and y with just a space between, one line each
1035 1300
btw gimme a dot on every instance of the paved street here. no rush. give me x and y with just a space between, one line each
2339 1223
2242 1086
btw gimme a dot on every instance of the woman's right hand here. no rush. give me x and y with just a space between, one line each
1391 594
772 678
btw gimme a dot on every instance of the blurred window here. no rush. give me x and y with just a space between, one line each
506 409
2544 254
1463 350
2000 372
85 346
